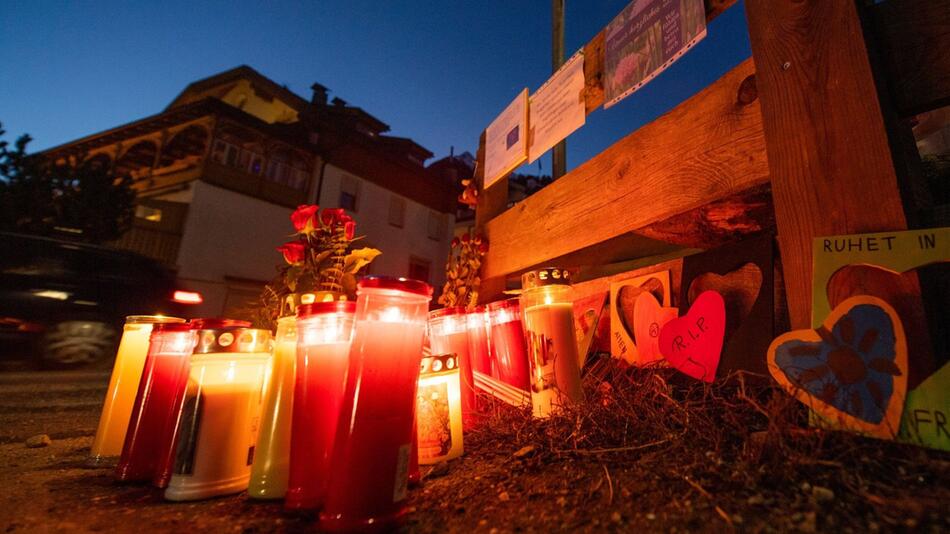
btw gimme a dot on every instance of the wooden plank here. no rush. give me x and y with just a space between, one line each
709 147
828 154
913 37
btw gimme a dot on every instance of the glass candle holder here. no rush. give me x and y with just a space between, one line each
201 327
439 410
370 463
123 386
448 334
157 402
478 336
272 453
552 342
325 331
221 413
509 350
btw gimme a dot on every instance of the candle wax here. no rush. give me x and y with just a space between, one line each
120 397
555 375
321 377
478 340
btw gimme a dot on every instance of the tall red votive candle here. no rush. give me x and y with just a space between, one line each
509 350
324 333
448 334
370 463
157 402
477 324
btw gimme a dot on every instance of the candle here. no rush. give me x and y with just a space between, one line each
157 401
370 463
123 386
509 350
166 451
478 326
272 453
439 410
325 330
551 339
448 334
220 416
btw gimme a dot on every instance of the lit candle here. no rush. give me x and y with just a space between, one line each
325 330
123 385
220 416
551 339
157 402
448 334
477 325
439 410
370 463
272 453
509 351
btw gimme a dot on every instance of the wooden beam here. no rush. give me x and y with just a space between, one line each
707 148
914 39
828 153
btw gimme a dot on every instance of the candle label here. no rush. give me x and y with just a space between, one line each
402 474
188 427
543 355
435 430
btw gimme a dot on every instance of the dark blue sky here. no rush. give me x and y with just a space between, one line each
437 72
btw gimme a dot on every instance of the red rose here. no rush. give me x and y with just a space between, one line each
303 216
483 248
466 238
349 229
331 216
455 242
293 252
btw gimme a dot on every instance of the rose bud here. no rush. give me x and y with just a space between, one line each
304 216
349 229
293 252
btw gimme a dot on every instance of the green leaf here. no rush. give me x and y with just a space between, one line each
359 258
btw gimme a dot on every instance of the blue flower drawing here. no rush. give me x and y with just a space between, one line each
853 366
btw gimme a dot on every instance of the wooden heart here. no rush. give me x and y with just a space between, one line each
852 370
693 343
627 301
739 289
648 319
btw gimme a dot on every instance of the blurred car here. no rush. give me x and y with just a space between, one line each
65 302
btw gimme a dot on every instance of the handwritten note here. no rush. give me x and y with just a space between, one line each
506 144
557 108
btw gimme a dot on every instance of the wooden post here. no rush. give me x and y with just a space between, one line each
830 163
559 153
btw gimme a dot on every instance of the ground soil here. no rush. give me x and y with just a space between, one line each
670 466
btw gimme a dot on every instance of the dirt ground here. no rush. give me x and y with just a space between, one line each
591 473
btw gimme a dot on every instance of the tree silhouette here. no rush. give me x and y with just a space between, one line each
38 196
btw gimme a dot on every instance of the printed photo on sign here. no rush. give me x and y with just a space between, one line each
646 38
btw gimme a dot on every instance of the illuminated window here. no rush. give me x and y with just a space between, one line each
397 211
149 214
419 268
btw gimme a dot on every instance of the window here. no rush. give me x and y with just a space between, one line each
149 214
350 194
438 225
419 268
397 211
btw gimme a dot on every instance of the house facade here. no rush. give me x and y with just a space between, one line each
219 171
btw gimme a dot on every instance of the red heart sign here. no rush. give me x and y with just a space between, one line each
693 343
648 320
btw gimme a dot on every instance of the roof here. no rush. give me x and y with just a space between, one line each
261 84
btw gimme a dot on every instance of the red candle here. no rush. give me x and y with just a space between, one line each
509 350
478 340
448 334
370 463
324 333
148 441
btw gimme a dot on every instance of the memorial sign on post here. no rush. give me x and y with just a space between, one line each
506 143
557 108
646 38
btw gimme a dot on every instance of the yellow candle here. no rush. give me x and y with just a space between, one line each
439 410
272 454
123 385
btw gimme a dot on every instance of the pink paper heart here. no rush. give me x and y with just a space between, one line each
693 343
648 321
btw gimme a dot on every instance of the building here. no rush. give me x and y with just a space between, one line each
219 171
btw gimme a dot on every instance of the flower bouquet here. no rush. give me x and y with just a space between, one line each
461 271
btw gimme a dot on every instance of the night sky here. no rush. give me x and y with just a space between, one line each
437 72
